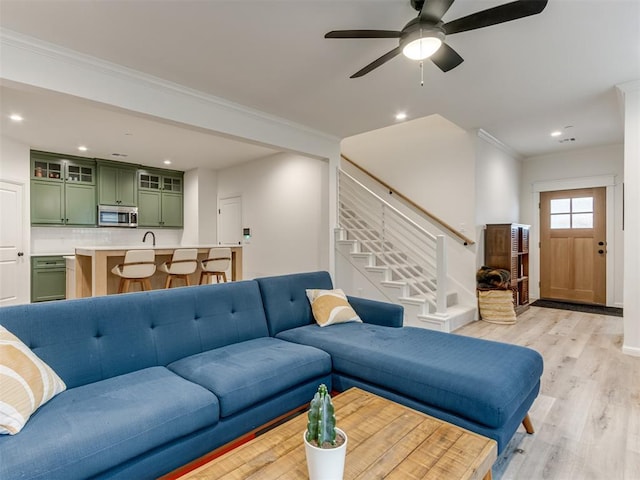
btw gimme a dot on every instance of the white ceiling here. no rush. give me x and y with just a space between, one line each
519 80
61 123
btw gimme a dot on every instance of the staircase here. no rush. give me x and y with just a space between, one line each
402 261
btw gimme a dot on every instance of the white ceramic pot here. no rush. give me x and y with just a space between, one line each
326 463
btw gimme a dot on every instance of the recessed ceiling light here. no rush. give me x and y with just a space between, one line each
167 162
82 148
15 117
556 133
401 116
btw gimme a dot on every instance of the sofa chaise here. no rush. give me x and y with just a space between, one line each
157 379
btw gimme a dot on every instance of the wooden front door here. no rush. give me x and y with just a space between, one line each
573 250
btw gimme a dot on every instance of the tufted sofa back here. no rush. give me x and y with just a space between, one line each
285 299
90 339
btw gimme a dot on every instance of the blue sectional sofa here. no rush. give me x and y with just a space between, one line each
157 379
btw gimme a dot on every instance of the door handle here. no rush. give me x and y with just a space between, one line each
601 243
600 251
20 254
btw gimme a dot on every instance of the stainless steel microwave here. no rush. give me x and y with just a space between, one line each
117 216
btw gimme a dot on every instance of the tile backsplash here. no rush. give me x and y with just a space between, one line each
63 240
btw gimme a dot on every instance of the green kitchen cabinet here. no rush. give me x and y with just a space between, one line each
48 278
149 209
63 190
117 185
80 205
47 203
160 198
172 210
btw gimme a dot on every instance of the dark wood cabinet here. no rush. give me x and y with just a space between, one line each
506 246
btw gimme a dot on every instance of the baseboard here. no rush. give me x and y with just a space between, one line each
633 351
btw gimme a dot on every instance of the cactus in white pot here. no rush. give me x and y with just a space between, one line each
325 445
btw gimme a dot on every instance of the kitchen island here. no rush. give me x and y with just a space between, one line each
94 264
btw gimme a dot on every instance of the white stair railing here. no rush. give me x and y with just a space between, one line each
412 254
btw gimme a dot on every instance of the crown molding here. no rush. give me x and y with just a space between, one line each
628 87
487 137
58 53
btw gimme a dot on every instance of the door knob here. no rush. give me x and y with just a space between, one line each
600 251
600 243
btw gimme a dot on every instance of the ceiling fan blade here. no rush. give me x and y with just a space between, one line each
376 63
433 10
495 15
363 34
446 58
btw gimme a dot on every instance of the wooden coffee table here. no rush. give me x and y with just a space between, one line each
386 440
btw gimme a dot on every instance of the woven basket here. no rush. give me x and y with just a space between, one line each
496 306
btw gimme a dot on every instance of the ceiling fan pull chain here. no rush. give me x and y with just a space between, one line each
421 75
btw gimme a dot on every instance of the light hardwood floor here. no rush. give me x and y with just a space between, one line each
587 416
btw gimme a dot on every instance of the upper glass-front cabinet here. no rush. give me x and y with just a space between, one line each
172 184
56 168
49 169
159 181
80 173
149 181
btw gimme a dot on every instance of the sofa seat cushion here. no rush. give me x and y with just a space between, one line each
480 380
246 373
89 429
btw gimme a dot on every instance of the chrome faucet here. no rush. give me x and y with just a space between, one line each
153 236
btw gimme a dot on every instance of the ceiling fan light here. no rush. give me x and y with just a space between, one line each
421 48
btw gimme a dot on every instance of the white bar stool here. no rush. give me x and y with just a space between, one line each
138 266
183 263
217 264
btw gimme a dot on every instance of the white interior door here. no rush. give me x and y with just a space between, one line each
14 277
230 221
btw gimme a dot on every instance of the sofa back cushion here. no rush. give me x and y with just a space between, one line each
285 299
91 339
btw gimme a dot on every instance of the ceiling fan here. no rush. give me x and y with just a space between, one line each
423 37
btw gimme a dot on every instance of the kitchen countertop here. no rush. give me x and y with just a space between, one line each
94 264
103 248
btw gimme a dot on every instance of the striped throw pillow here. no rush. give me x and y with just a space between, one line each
26 383
330 307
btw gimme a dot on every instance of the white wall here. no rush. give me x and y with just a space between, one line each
430 160
498 174
574 167
631 92
14 161
285 203
200 203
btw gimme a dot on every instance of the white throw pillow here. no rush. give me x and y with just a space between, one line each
26 383
330 307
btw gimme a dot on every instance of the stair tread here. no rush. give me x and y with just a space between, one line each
377 268
452 310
